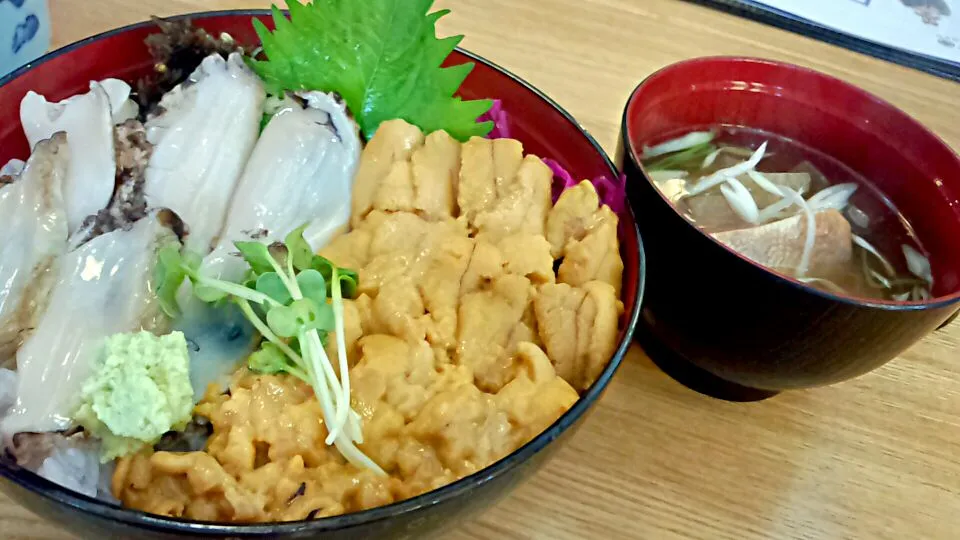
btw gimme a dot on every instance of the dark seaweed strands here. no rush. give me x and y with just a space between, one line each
177 51
193 438
300 491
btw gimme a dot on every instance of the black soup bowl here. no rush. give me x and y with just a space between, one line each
545 130
728 327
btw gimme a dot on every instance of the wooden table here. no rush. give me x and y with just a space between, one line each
872 458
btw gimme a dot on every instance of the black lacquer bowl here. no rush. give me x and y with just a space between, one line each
730 328
545 130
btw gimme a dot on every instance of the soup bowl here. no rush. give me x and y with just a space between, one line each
543 127
731 328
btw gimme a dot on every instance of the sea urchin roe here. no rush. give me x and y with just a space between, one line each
463 345
266 460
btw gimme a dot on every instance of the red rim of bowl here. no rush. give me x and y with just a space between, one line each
633 155
55 492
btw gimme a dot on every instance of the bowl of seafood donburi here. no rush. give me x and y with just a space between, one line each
253 287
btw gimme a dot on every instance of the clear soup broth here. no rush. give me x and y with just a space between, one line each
793 209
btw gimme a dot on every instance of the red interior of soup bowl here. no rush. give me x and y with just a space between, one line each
916 170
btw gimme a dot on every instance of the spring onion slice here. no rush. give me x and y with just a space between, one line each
689 140
919 294
775 210
887 267
736 151
858 217
740 200
918 264
711 158
664 175
763 182
879 281
742 152
883 281
868 272
836 197
724 175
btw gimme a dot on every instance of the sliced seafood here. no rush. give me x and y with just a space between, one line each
88 120
202 140
102 288
35 227
301 171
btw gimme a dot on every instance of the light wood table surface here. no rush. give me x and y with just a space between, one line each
877 457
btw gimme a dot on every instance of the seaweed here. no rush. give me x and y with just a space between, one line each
177 51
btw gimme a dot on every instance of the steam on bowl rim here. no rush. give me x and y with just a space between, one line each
631 151
136 518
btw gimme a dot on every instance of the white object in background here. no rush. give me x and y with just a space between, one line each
927 27
24 32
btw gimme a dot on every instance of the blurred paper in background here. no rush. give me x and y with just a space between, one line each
928 27
921 34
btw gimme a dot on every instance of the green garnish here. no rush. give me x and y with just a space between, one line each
382 56
285 297
271 360
690 157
